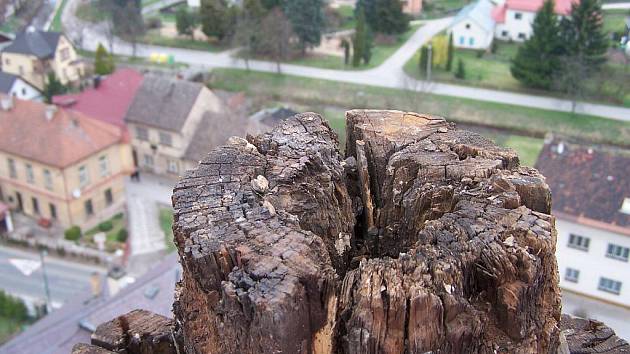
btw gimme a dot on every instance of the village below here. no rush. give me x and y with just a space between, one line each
106 105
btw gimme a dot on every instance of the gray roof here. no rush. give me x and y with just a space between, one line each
163 103
58 332
6 81
214 130
38 43
480 12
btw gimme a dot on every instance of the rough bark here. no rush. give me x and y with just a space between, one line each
590 337
423 238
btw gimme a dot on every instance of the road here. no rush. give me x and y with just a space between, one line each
390 74
616 6
66 279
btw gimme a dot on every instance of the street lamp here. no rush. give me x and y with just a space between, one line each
43 253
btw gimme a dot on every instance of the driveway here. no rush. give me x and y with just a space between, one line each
390 74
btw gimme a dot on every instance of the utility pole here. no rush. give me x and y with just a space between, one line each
429 62
43 254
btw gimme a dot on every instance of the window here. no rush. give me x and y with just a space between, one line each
172 166
12 170
609 285
518 16
471 41
30 176
618 252
21 70
579 242
461 40
35 205
142 134
572 275
504 33
89 209
48 183
7 61
23 92
521 35
148 160
165 139
103 165
84 177
109 197
53 211
65 54
468 26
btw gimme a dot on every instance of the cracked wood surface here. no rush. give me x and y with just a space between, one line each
423 238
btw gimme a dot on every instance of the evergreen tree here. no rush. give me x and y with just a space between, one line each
424 60
185 22
345 44
307 20
103 61
213 15
368 44
449 58
537 59
583 34
384 16
460 73
53 87
270 4
359 39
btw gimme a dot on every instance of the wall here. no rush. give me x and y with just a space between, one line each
31 68
514 27
593 263
67 70
412 7
481 38
162 154
25 91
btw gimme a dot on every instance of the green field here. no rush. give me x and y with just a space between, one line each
55 25
89 12
615 20
152 37
166 223
441 8
320 94
380 53
8 328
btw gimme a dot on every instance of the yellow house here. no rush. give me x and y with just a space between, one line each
59 164
34 53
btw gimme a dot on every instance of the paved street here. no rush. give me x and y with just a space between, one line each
390 74
66 279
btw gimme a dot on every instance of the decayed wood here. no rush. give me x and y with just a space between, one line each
451 248
423 238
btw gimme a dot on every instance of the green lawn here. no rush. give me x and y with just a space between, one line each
615 20
10 25
346 12
528 148
380 53
320 94
89 12
166 223
148 2
440 8
112 242
8 328
56 22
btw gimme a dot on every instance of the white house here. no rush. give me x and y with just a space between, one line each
15 86
193 3
473 27
514 18
591 203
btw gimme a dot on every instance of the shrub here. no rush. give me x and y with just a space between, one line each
73 233
460 73
12 307
105 226
154 23
122 235
118 216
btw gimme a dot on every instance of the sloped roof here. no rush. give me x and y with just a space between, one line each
480 12
6 82
109 101
40 44
61 141
561 7
588 183
163 102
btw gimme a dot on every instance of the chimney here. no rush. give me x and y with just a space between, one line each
6 102
50 112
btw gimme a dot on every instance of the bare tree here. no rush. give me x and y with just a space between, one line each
276 32
572 79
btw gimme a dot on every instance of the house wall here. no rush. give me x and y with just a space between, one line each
412 7
592 263
468 34
64 63
25 66
70 208
25 91
517 29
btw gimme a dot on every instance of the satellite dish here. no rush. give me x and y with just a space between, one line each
76 193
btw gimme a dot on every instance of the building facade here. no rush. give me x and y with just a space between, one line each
514 18
473 27
74 172
13 85
34 54
412 7
591 202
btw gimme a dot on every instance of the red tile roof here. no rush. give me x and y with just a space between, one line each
498 13
588 183
110 101
562 7
64 140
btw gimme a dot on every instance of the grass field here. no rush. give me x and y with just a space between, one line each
55 25
89 12
8 328
166 223
152 37
380 53
320 94
440 8
615 20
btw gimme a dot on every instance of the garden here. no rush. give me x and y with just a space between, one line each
115 231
